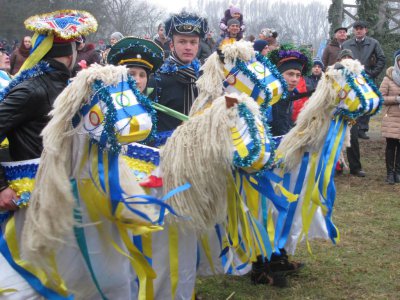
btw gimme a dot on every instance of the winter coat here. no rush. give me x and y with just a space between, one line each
24 112
299 103
369 52
163 45
17 59
391 108
331 52
169 90
282 112
89 54
205 50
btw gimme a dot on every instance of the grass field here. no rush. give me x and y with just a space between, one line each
366 262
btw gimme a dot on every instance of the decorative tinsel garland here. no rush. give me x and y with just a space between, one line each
38 70
355 114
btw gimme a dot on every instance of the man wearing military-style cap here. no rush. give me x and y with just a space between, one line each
175 82
26 102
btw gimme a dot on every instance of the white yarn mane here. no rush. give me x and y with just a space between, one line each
210 84
200 152
50 214
313 121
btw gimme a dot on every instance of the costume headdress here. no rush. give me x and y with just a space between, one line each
288 57
55 32
186 23
136 52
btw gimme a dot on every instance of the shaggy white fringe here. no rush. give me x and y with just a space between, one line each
50 214
200 152
313 122
210 84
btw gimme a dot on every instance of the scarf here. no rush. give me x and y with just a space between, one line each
186 74
396 71
24 51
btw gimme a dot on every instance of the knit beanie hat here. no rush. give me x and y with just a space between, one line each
345 52
259 45
234 9
232 22
117 35
318 61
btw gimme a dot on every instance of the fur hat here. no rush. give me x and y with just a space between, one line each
269 32
117 36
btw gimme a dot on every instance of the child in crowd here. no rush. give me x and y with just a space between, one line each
233 12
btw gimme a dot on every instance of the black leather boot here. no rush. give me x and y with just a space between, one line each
397 166
261 274
280 264
389 158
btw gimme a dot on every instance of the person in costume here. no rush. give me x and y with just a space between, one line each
174 84
25 104
142 57
292 64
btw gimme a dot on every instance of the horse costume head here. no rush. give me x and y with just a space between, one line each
237 68
344 93
228 134
100 111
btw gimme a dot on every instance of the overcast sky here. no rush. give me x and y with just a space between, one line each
177 5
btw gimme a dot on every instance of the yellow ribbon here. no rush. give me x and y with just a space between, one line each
52 281
39 52
174 258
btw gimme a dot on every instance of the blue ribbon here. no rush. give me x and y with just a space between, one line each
33 281
292 206
81 239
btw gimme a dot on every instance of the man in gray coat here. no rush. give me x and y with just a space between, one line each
369 52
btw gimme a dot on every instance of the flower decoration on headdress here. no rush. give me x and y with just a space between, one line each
288 51
186 23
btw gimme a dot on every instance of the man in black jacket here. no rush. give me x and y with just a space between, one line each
175 82
25 107
369 52
292 64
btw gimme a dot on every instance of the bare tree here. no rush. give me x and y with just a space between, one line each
295 21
